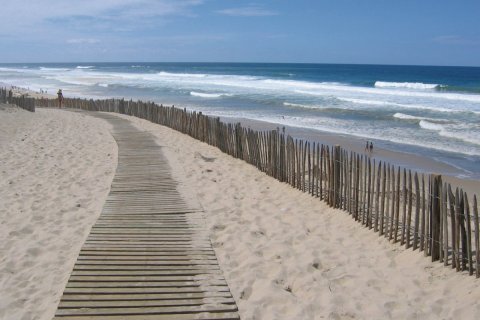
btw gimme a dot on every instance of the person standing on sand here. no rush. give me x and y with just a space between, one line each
60 98
371 147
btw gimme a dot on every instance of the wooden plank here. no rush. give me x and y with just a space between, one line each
143 290
190 316
148 278
147 284
144 303
214 307
146 272
145 252
108 257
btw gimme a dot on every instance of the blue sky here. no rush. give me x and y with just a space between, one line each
425 32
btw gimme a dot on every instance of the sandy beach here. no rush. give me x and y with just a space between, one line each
285 255
339 178
55 173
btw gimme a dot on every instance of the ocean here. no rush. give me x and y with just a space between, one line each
427 110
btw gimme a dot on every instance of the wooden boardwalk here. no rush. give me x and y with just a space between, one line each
148 255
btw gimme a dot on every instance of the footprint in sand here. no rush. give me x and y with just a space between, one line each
246 293
218 227
258 233
317 265
390 305
34 252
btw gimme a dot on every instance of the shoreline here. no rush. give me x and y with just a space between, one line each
415 162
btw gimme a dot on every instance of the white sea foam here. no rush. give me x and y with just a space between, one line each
424 124
408 85
297 105
262 85
302 106
364 101
394 104
53 69
85 67
310 95
392 93
182 75
208 95
467 136
404 116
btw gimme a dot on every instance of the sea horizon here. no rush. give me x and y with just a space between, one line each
243 62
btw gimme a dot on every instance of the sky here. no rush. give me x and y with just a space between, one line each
414 32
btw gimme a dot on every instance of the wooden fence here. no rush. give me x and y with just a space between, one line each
417 210
6 96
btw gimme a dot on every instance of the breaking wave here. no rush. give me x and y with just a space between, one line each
407 85
209 95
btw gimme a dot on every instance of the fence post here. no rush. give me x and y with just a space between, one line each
435 190
336 185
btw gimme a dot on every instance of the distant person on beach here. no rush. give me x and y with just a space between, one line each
371 147
60 98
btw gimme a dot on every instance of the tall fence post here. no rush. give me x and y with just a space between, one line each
435 195
336 184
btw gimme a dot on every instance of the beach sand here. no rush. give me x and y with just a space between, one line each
56 169
285 255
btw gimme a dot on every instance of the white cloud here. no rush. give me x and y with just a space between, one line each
250 11
23 15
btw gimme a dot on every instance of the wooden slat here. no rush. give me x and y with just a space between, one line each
147 310
144 303
185 316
